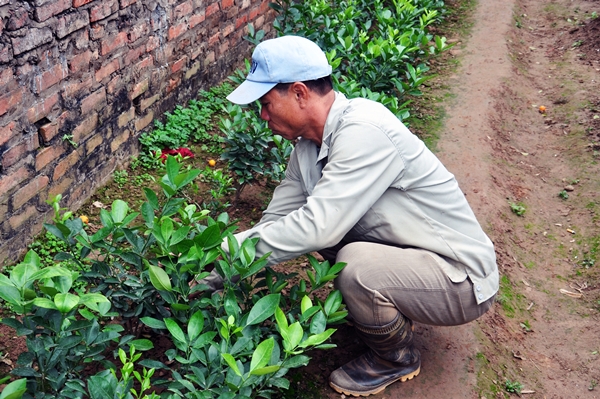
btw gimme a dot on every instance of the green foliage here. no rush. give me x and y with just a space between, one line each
517 208
120 177
563 194
146 269
47 246
191 123
220 184
251 150
513 386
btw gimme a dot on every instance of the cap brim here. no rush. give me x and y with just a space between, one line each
249 91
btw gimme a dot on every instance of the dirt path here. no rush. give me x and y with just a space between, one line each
523 54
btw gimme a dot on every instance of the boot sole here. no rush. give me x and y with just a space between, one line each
378 389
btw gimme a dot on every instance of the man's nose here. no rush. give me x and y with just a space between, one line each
264 114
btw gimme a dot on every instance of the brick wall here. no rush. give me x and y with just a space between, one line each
101 71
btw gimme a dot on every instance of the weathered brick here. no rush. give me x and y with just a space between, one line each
17 19
6 132
141 123
59 187
17 220
226 4
153 43
241 21
139 88
93 143
120 139
134 54
5 53
211 9
214 38
42 108
126 117
10 180
107 69
72 87
197 19
30 190
228 29
50 130
72 22
115 84
85 128
138 31
6 76
147 102
79 3
80 62
30 38
143 64
103 10
47 155
182 10
51 9
10 100
126 3
114 42
93 101
49 78
179 64
97 31
173 84
177 30
67 163
19 151
193 70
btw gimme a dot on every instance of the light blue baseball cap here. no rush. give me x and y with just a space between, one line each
285 59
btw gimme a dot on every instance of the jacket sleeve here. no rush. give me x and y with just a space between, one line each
362 164
288 196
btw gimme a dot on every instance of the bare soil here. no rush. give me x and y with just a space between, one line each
537 339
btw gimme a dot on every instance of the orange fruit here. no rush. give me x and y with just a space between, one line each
542 109
84 219
212 162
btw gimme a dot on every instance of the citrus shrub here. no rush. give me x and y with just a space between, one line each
144 274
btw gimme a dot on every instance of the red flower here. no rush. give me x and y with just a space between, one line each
184 152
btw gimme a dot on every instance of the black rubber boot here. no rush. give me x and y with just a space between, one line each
392 357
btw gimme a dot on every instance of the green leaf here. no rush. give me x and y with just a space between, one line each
305 304
262 354
11 295
231 363
119 210
44 303
15 389
102 386
333 302
152 198
295 333
175 330
317 339
153 323
263 309
195 325
141 344
66 302
265 370
297 361
160 279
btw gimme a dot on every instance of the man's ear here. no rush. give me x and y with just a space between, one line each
300 92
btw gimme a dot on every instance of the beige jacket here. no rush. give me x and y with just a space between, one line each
379 184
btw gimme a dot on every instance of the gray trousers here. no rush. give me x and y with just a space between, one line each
380 281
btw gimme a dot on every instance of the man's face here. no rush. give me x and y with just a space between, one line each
283 114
